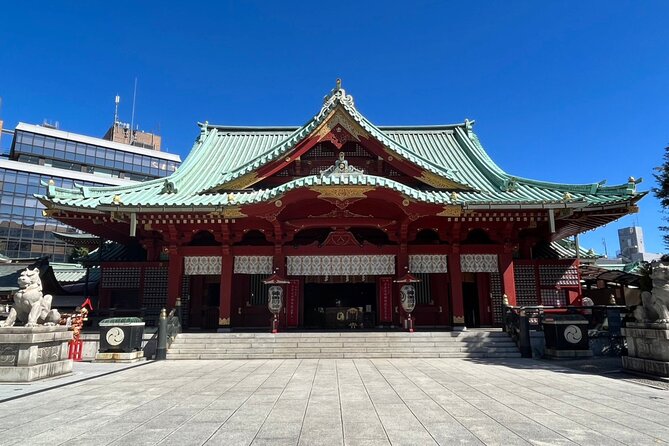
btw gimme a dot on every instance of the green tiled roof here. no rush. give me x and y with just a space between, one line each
74 272
563 249
114 252
453 152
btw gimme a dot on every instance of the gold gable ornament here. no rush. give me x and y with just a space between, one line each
342 193
342 119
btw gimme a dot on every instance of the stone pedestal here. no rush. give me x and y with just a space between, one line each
120 357
647 347
32 353
553 353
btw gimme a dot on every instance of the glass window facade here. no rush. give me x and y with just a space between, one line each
24 231
56 152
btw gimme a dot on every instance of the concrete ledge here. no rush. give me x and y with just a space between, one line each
30 373
647 366
34 335
646 341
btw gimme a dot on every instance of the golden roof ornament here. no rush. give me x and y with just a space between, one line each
51 182
231 198
117 199
454 197
567 197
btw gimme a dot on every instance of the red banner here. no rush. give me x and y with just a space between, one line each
293 303
385 299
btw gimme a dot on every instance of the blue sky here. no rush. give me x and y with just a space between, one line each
562 91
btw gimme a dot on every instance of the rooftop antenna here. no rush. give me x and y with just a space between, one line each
117 100
132 118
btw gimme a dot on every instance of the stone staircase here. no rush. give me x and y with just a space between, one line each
390 344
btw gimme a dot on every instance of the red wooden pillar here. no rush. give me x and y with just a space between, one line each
457 300
225 303
175 271
508 279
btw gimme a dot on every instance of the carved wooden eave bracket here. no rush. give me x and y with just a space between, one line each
341 237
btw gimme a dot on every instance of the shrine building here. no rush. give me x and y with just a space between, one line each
345 211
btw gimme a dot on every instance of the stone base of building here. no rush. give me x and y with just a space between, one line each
646 366
552 353
32 353
647 348
120 357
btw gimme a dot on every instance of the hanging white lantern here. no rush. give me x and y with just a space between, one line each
275 299
408 298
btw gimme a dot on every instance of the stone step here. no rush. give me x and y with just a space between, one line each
343 350
350 334
368 347
278 339
341 355
252 343
472 344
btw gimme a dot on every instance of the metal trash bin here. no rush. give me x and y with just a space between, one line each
566 335
121 334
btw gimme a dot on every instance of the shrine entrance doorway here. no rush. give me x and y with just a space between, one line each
205 294
347 305
476 299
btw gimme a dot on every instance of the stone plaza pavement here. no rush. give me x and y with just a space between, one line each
341 401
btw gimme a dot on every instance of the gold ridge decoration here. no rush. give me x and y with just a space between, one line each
229 212
342 193
439 182
240 183
451 210
340 118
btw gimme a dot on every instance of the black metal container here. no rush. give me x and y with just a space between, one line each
566 332
121 334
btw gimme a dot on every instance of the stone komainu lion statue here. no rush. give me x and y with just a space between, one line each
655 304
29 304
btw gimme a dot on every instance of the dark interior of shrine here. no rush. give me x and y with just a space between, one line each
338 305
